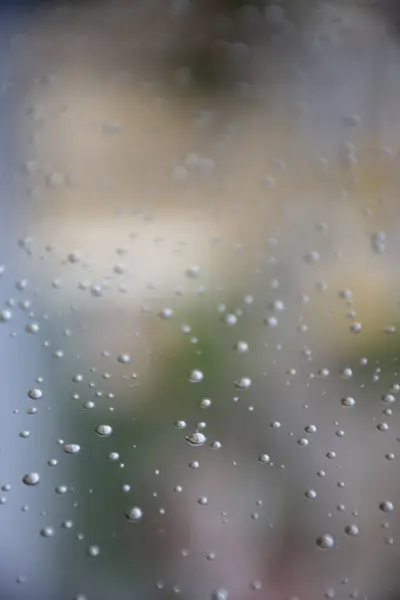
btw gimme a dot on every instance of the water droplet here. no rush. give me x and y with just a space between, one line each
47 532
346 373
193 272
93 551
5 315
386 506
196 376
31 478
356 327
243 383
35 394
325 541
351 530
264 458
241 347
348 401
220 594
124 359
205 403
104 430
166 313
311 494
134 514
71 448
196 439
382 427
271 321
310 428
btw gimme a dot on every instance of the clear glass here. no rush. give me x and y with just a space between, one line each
199 301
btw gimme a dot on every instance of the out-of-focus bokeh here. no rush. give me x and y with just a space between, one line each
200 239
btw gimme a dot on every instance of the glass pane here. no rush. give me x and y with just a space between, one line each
199 300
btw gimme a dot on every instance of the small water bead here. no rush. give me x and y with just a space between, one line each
47 532
275 425
220 594
32 328
230 319
216 445
351 530
52 462
386 506
71 448
390 330
74 257
331 455
346 373
323 372
382 427
35 394
264 458
134 514
310 494
241 347
356 327
196 438
93 551
203 501
196 376
96 291
388 398
89 404
32 411
395 388
5 315
31 478
256 585
193 272
124 359
24 434
166 313
78 378
348 402
194 464
243 383
180 424
277 305
205 403
104 430
61 489
310 429
67 524
302 442
271 321
312 257
325 541
113 456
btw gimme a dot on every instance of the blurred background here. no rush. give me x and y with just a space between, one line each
200 236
